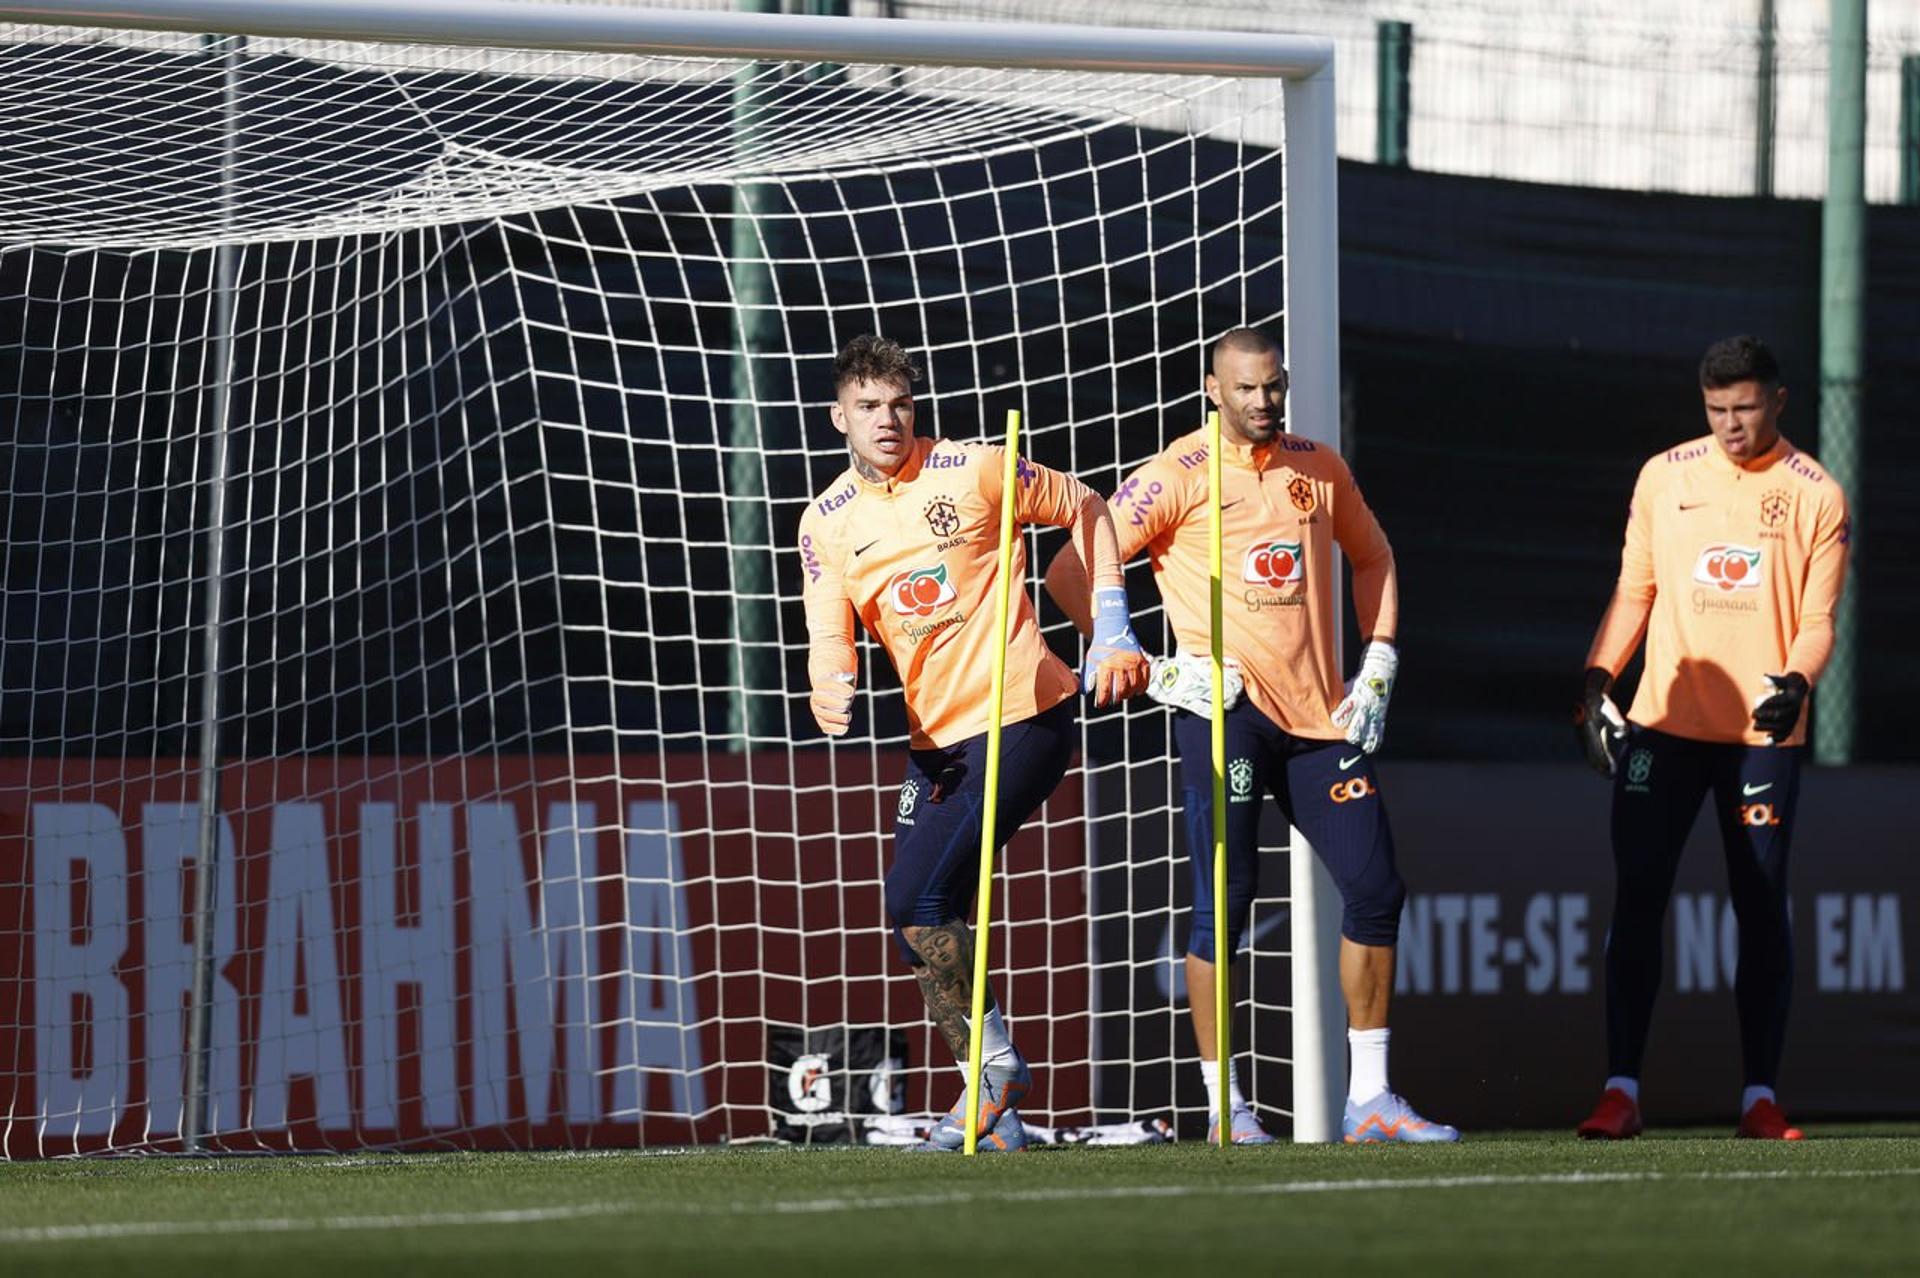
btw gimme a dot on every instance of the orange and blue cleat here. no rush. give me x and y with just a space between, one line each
1616 1117
1008 1135
1001 1089
1389 1118
1246 1129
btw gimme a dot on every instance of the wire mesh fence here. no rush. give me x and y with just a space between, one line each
1702 97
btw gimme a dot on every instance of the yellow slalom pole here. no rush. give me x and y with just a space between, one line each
990 806
1222 961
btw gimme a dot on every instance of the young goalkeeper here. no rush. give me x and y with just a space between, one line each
1284 501
908 538
1734 561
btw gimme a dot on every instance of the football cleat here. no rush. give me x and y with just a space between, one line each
1246 1129
1387 1117
951 1131
1008 1135
1764 1121
1616 1117
1001 1090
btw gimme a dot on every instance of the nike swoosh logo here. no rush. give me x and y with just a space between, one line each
1231 504
1751 790
1348 763
1170 973
1692 505
864 549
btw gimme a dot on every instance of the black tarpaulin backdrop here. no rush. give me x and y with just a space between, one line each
1514 352
1511 353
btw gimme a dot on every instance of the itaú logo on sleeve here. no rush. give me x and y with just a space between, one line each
1728 568
918 591
1272 563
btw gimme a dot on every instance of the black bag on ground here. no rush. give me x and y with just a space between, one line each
821 1083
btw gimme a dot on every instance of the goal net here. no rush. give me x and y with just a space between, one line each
408 448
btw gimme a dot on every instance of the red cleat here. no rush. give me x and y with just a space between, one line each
1616 1117
1764 1121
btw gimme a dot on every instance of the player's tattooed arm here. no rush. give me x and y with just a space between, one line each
946 981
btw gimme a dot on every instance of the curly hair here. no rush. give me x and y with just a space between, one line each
868 358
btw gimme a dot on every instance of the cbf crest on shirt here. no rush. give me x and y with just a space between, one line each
1283 507
1743 565
916 558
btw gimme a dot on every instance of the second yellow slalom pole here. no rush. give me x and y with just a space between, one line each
1222 961
990 805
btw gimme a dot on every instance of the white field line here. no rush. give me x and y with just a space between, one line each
843 1203
296 1225
398 1161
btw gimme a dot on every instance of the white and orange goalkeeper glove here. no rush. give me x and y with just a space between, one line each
1363 714
832 703
1186 683
1115 667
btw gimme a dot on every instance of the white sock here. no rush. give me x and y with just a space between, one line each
1631 1086
1753 1096
996 1049
1210 1075
1367 1077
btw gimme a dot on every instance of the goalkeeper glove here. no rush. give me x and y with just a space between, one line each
1777 711
832 703
1186 683
1115 667
1363 714
1598 723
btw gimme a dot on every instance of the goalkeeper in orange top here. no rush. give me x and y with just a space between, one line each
1735 555
1296 732
908 539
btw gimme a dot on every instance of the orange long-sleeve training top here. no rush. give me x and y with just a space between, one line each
916 557
1732 571
1283 505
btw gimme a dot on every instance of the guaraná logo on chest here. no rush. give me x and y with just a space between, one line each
1273 563
1728 568
918 591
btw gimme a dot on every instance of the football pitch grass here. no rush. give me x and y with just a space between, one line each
1846 1201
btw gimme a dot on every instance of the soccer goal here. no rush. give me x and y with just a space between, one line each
403 732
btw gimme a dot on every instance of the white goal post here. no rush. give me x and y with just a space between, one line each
80 254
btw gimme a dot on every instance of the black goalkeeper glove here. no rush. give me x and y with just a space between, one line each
1598 723
1777 712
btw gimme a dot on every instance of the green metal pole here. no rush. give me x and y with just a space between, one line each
826 72
1910 129
1843 260
1763 108
754 673
1394 91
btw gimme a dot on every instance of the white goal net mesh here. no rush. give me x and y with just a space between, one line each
515 364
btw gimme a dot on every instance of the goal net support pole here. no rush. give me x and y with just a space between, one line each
193 1120
1313 410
